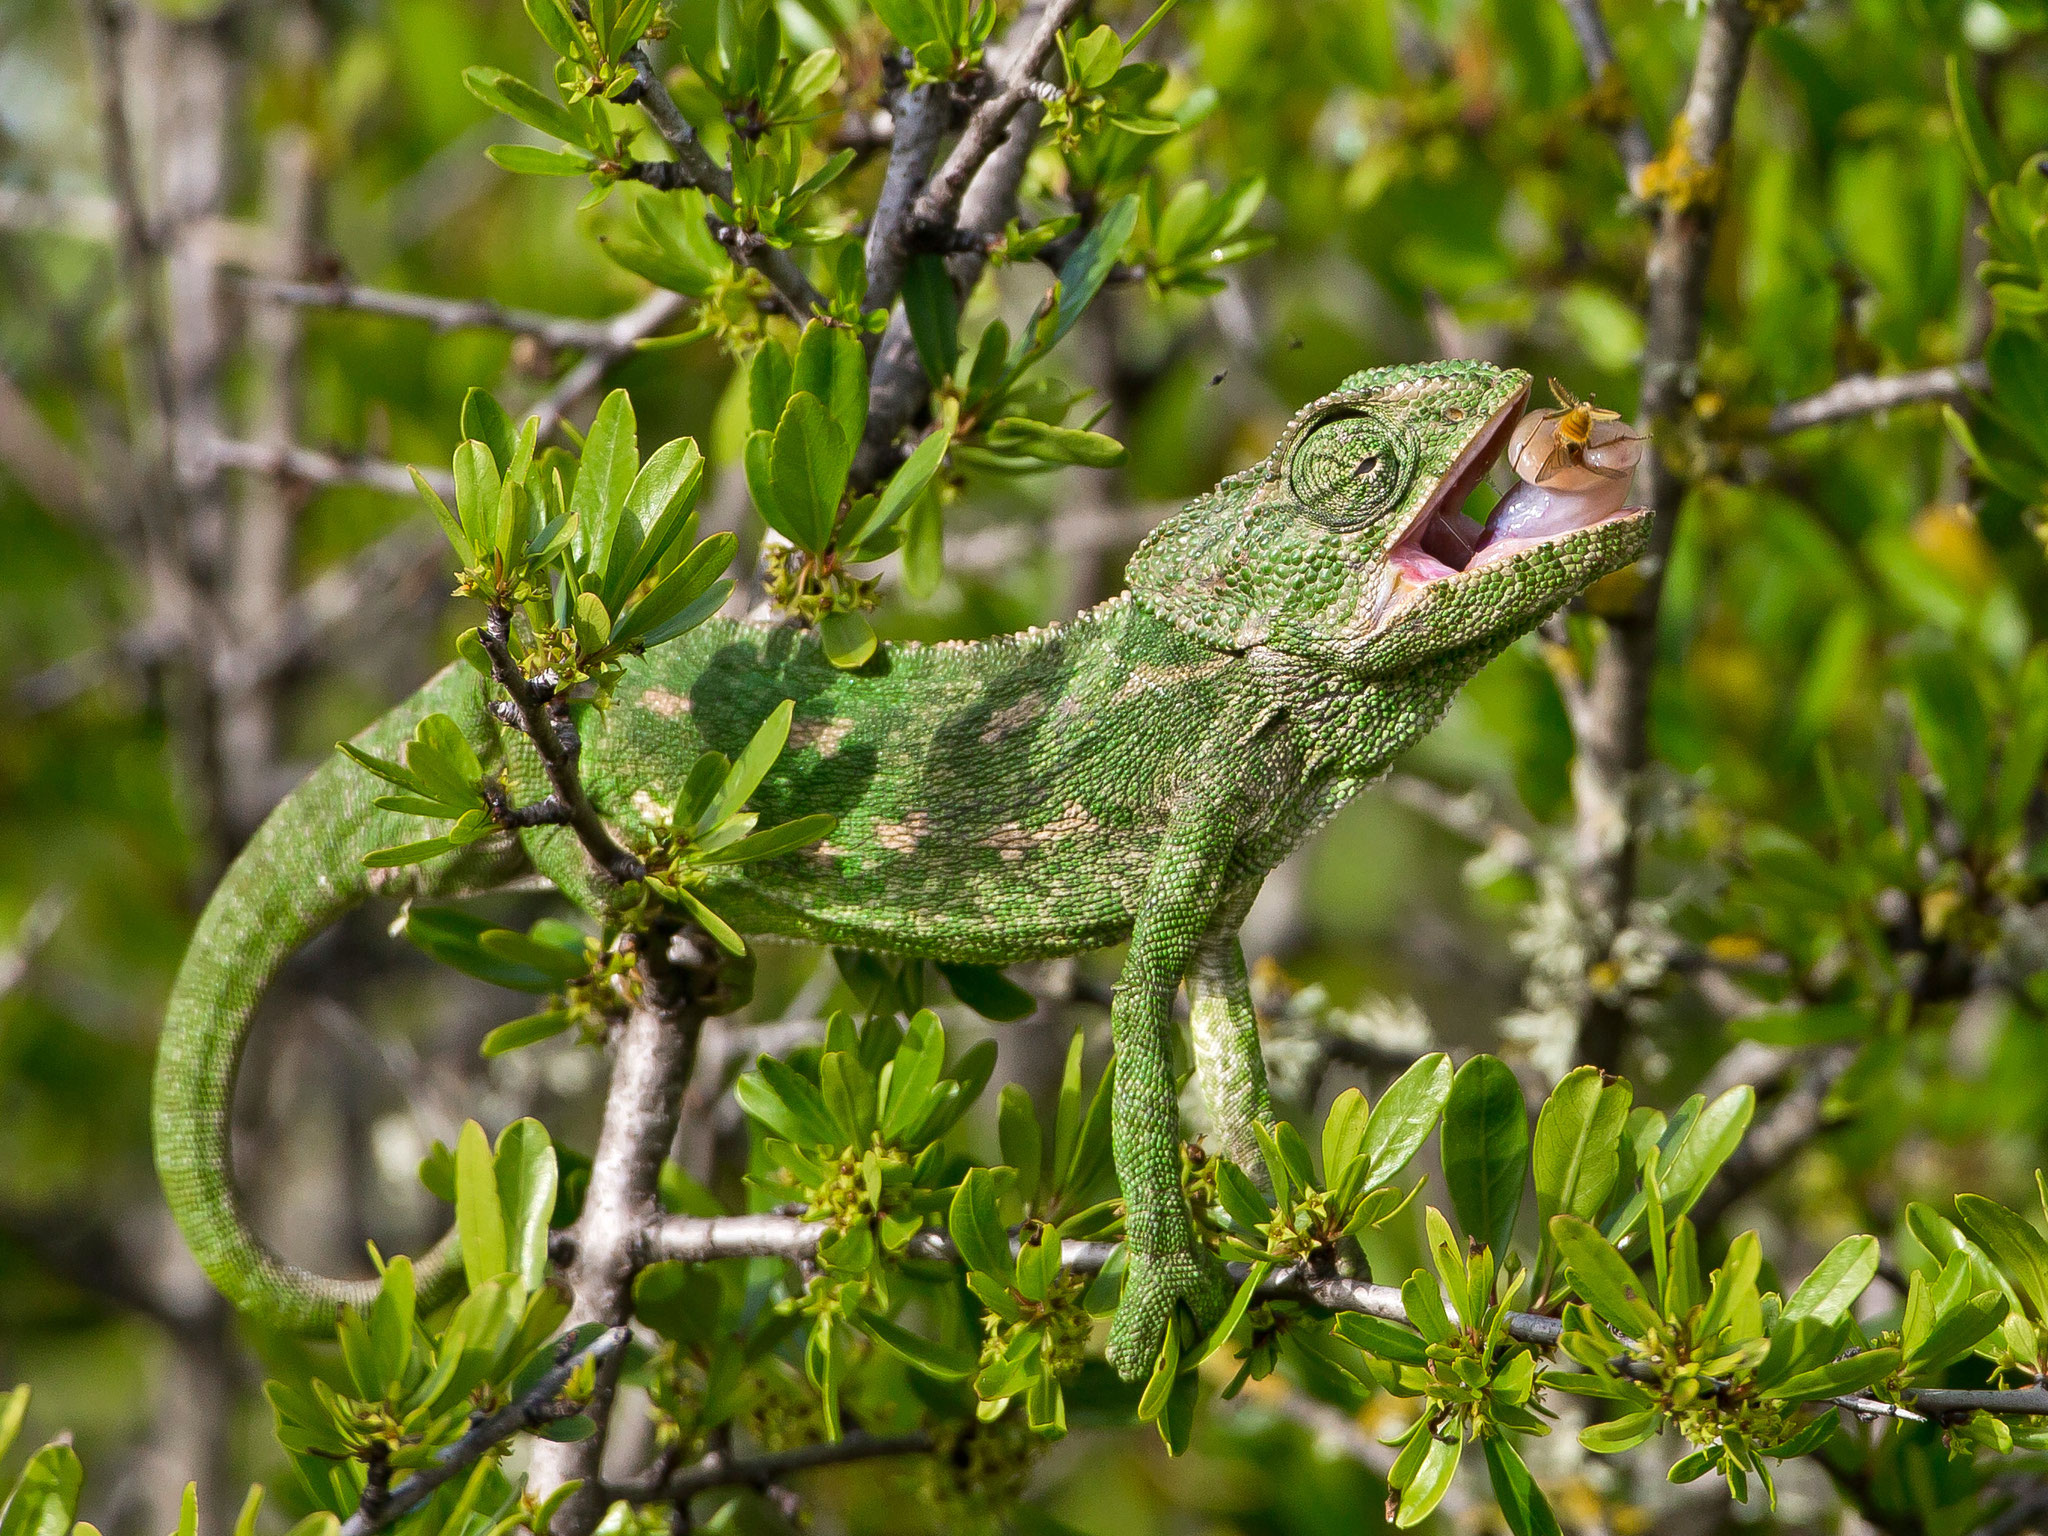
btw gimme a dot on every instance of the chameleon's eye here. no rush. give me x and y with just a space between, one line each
1349 469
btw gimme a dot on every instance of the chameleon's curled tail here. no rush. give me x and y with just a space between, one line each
300 872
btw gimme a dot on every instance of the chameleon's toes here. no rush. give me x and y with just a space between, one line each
1153 1285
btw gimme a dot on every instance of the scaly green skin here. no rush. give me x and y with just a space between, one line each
1133 774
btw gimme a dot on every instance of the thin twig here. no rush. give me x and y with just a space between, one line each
1792 1124
554 741
700 1240
1865 394
540 1404
1631 138
723 1469
628 330
439 313
318 467
696 168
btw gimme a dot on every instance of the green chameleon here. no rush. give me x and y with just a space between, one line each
1132 774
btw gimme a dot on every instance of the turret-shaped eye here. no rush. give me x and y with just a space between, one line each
1349 469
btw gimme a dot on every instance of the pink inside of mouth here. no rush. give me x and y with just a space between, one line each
1445 541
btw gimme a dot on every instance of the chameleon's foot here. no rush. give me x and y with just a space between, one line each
1153 1285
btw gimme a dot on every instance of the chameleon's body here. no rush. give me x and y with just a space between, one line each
1134 773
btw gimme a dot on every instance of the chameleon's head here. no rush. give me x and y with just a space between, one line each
1348 545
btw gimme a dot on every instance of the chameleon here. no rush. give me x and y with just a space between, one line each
1132 774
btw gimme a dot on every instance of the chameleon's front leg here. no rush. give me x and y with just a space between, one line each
1168 1263
1229 1063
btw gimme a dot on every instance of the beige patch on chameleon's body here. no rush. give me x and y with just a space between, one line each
659 701
822 736
1148 678
1013 717
903 836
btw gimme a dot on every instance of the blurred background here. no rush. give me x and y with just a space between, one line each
1440 181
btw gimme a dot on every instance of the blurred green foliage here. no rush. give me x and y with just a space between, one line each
1847 722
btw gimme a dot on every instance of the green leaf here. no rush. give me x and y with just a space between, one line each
1085 271
13 1409
1838 1377
1486 1150
1017 1133
808 460
1055 445
476 494
832 367
977 1228
847 638
2014 1246
604 479
407 853
1431 1482
679 1301
2026 747
914 1072
1577 1152
1948 716
516 949
1622 1434
933 313
1601 1276
914 1349
530 1030
525 1161
479 1219
1344 1162
904 487
768 385
681 592
533 160
749 768
516 99
986 990
1974 134
45 1497
1827 1294
1693 1148
773 842
1405 1115
1382 1339
722 933
1522 1504
1165 1368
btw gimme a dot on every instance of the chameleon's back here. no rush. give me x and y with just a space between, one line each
994 800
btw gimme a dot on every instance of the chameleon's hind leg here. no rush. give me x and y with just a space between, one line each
1229 1063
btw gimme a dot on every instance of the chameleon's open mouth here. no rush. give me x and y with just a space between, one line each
1443 542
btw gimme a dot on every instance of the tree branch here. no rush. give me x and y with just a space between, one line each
651 1065
1865 394
696 168
1610 710
439 313
628 330
541 1404
723 1469
937 208
1631 138
920 121
317 467
700 1240
535 711
1793 1124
